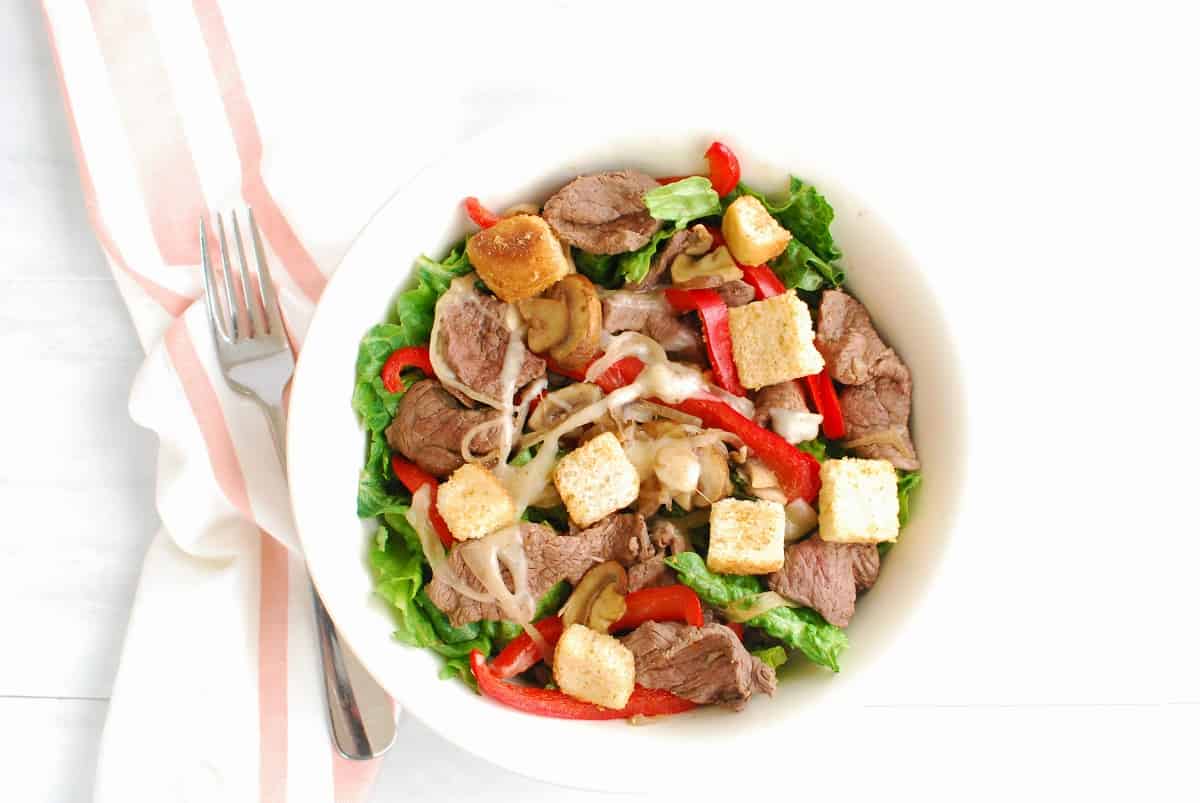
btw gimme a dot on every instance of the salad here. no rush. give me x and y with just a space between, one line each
633 448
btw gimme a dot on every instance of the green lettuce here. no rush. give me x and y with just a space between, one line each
378 492
602 269
906 485
799 628
399 575
773 657
683 201
816 447
799 268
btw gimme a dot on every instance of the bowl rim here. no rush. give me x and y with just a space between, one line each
495 140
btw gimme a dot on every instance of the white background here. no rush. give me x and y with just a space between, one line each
1052 163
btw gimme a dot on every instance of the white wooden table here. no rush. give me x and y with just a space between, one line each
1101 695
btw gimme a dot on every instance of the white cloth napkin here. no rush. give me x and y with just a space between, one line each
178 111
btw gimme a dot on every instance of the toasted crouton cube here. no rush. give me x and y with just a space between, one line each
596 479
773 341
518 257
745 537
859 503
593 667
474 503
752 234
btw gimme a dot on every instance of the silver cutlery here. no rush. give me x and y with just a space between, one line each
257 363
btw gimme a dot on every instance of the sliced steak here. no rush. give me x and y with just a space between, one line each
736 293
651 573
879 411
603 213
847 339
652 315
552 557
878 398
826 576
782 396
666 536
473 340
702 664
430 425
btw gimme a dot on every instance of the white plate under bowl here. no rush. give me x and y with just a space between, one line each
525 161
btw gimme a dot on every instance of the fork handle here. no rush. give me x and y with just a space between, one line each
361 715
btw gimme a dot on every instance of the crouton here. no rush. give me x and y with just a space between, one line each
474 503
596 479
859 503
593 667
518 257
752 234
745 537
773 341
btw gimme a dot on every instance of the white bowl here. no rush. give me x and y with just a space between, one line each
527 161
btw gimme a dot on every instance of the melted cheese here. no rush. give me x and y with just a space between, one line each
795 426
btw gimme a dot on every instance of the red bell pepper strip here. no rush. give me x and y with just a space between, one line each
723 168
412 478
479 214
674 603
410 357
738 628
798 472
521 653
764 281
825 399
619 374
714 317
547 703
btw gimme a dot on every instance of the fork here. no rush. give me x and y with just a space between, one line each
257 363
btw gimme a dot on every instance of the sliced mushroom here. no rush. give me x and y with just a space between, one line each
547 321
565 321
599 599
718 264
584 317
714 484
699 241
556 406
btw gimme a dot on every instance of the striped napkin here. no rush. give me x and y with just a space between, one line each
219 694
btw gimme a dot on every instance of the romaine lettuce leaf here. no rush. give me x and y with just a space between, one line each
602 269
773 657
398 578
634 266
799 628
799 268
683 201
378 491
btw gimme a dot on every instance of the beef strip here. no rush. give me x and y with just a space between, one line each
847 339
552 557
736 293
881 408
826 576
430 425
651 573
473 340
652 315
782 396
669 537
603 213
703 664
878 397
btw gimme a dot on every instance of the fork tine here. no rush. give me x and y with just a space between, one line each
269 299
215 319
254 315
231 306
